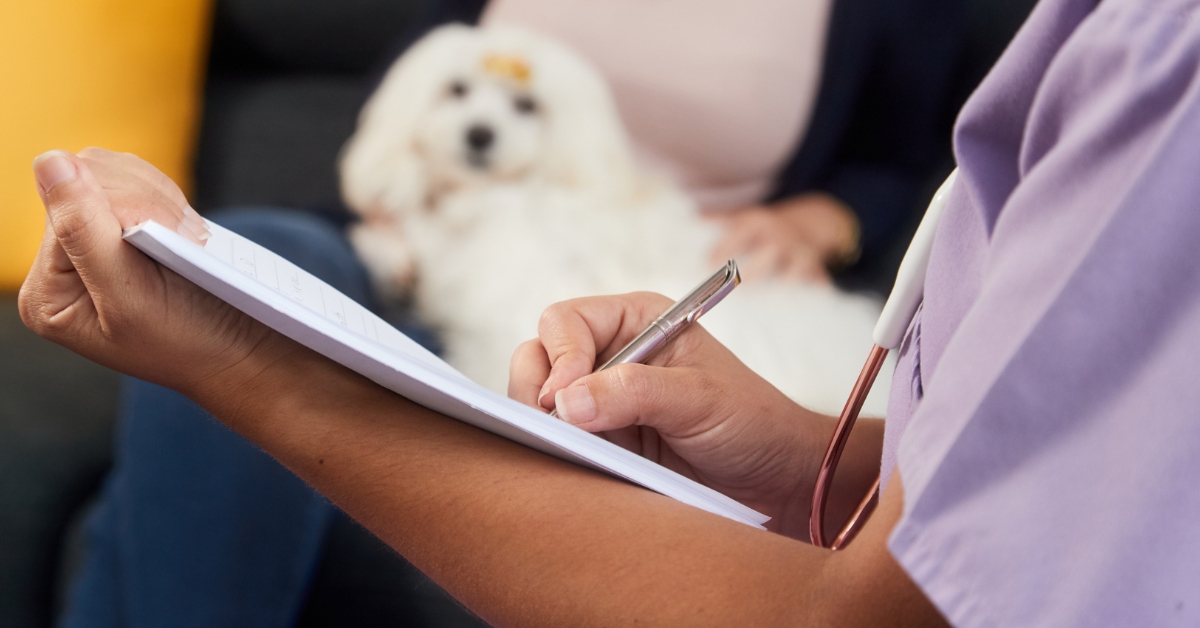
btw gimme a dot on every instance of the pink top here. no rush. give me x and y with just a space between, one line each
716 94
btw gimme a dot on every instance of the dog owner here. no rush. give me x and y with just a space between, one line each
1042 419
808 127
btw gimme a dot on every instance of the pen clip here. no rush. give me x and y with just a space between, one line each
714 290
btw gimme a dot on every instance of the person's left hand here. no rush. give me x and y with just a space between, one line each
798 238
95 294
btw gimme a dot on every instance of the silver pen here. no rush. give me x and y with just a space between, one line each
684 312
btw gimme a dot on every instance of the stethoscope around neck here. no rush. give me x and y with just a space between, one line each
893 324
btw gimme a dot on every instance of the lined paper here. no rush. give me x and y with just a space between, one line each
283 277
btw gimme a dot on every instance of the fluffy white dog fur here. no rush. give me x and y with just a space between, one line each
494 178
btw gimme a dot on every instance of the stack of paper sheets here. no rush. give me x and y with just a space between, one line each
309 311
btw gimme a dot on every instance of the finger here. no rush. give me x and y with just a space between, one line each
804 264
135 200
738 237
727 246
676 401
135 206
56 258
763 263
137 166
576 333
128 172
51 286
528 371
570 345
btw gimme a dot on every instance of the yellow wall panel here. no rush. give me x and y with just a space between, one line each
121 74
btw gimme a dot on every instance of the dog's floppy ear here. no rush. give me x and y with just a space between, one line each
588 147
379 166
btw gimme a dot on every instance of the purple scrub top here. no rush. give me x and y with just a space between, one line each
1045 413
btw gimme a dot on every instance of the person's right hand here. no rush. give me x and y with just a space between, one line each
794 239
95 294
695 408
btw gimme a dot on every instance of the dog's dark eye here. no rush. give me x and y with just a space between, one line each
458 89
525 104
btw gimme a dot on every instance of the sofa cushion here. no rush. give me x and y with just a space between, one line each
123 74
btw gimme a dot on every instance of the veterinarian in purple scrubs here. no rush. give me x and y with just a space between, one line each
1042 415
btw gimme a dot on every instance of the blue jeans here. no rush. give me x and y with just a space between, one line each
196 526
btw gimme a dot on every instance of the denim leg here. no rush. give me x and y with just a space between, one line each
196 526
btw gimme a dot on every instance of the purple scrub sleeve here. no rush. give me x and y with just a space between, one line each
1045 413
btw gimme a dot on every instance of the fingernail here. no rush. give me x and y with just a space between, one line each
545 389
189 231
52 168
193 220
200 227
575 405
185 230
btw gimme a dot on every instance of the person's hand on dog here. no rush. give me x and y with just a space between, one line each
93 293
799 238
695 408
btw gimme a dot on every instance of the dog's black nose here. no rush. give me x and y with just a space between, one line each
480 137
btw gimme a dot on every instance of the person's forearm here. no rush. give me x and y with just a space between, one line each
518 536
525 539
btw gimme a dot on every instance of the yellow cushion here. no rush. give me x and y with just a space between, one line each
121 74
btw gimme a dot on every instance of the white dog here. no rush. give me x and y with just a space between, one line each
494 178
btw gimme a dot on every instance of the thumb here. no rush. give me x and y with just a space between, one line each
82 221
76 205
676 401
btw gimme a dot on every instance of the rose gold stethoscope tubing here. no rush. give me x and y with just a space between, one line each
893 324
833 454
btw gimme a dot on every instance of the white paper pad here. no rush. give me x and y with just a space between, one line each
305 309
